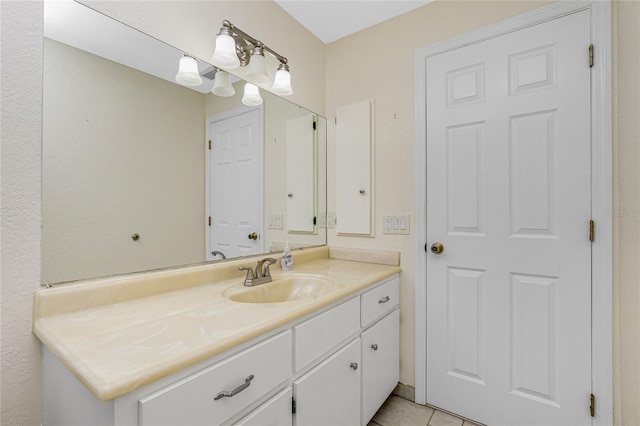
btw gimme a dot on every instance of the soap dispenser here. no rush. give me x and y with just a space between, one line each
286 260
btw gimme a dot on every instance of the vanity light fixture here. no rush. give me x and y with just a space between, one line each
188 72
222 85
251 95
235 48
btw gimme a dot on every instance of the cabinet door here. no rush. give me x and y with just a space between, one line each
354 158
274 412
380 363
330 393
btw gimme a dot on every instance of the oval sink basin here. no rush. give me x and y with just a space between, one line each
282 289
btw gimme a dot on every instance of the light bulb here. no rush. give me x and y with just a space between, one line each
225 55
257 70
251 95
222 85
282 82
188 72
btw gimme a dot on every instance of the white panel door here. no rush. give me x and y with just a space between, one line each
236 185
508 196
354 152
301 174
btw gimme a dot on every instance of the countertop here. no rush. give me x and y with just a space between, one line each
128 337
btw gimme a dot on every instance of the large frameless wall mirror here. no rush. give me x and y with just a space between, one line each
141 172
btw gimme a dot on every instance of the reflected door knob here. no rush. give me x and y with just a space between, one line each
437 248
253 236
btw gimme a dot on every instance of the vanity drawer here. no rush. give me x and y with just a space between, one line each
191 400
380 300
325 331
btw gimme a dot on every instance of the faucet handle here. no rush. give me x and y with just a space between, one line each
249 272
268 262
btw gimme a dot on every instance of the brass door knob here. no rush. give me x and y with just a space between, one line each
253 236
437 248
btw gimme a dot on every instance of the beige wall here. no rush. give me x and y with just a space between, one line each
378 63
626 208
122 155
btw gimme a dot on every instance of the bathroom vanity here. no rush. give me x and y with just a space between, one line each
194 346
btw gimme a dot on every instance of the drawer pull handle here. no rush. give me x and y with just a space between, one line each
384 299
354 366
236 391
374 346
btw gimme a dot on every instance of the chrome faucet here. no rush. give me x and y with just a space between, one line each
261 274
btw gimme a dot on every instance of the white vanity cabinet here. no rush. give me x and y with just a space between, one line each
330 393
275 412
335 365
215 394
380 345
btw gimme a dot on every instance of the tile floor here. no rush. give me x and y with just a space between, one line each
397 411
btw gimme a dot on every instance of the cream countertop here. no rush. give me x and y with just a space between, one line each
118 334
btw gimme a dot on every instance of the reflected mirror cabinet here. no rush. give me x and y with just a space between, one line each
141 173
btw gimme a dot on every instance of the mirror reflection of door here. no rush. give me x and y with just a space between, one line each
301 174
234 184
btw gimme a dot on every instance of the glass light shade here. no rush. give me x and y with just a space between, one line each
222 85
188 72
257 70
251 95
225 54
282 83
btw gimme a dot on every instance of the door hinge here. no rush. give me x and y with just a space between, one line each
335 120
592 230
314 125
209 144
209 220
592 405
590 55
315 220
293 406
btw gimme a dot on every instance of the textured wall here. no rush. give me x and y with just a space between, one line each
21 106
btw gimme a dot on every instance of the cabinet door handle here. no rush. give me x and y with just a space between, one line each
246 384
384 299
374 346
354 366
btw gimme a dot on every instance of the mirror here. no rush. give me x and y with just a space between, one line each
141 173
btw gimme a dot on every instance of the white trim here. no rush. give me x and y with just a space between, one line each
207 207
602 254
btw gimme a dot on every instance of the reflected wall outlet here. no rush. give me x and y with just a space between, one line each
398 225
331 220
322 220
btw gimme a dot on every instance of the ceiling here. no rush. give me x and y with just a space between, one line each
331 20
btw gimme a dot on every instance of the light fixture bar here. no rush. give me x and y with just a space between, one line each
233 29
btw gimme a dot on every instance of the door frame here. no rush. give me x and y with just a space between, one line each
601 190
214 118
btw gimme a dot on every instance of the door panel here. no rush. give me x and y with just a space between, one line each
508 195
236 184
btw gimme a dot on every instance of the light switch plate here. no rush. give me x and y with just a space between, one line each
274 221
396 224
